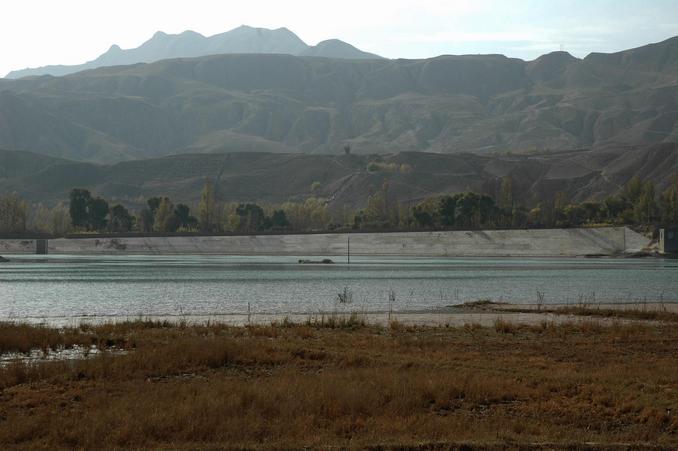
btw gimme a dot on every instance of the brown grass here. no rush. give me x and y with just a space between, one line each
652 313
352 320
288 385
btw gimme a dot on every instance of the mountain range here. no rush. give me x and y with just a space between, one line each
284 103
581 126
188 44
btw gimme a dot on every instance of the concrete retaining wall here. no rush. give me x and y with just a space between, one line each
552 242
17 247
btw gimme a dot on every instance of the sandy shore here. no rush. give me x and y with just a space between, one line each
669 306
453 316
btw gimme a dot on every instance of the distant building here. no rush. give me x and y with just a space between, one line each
668 241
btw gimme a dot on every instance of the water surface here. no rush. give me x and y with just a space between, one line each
63 286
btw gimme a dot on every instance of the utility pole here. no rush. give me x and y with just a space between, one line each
348 254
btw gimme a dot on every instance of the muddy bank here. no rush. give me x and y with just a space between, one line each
457 316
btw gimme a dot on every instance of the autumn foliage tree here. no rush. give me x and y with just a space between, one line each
13 214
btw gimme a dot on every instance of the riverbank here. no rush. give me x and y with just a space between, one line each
345 383
476 314
488 243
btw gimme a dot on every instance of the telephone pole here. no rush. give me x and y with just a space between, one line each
348 247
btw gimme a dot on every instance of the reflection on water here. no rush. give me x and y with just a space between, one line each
76 352
66 286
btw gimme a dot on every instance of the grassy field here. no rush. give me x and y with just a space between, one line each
344 384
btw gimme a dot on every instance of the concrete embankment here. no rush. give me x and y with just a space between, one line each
495 243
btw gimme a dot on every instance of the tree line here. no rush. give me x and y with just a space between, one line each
160 214
636 203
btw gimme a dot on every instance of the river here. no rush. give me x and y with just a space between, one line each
63 286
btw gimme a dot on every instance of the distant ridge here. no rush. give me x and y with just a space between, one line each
334 48
244 39
280 103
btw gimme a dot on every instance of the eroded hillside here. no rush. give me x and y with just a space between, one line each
345 180
281 103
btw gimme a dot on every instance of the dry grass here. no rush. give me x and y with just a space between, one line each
315 385
652 313
353 320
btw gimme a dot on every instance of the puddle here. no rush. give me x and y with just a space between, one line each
36 356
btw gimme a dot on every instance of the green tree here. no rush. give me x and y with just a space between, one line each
153 204
145 220
207 208
183 214
447 210
87 212
613 207
575 215
468 210
645 209
593 211
422 217
487 210
120 219
172 223
669 204
146 217
98 212
252 217
633 190
78 209
279 220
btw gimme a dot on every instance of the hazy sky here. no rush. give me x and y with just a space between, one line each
40 32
